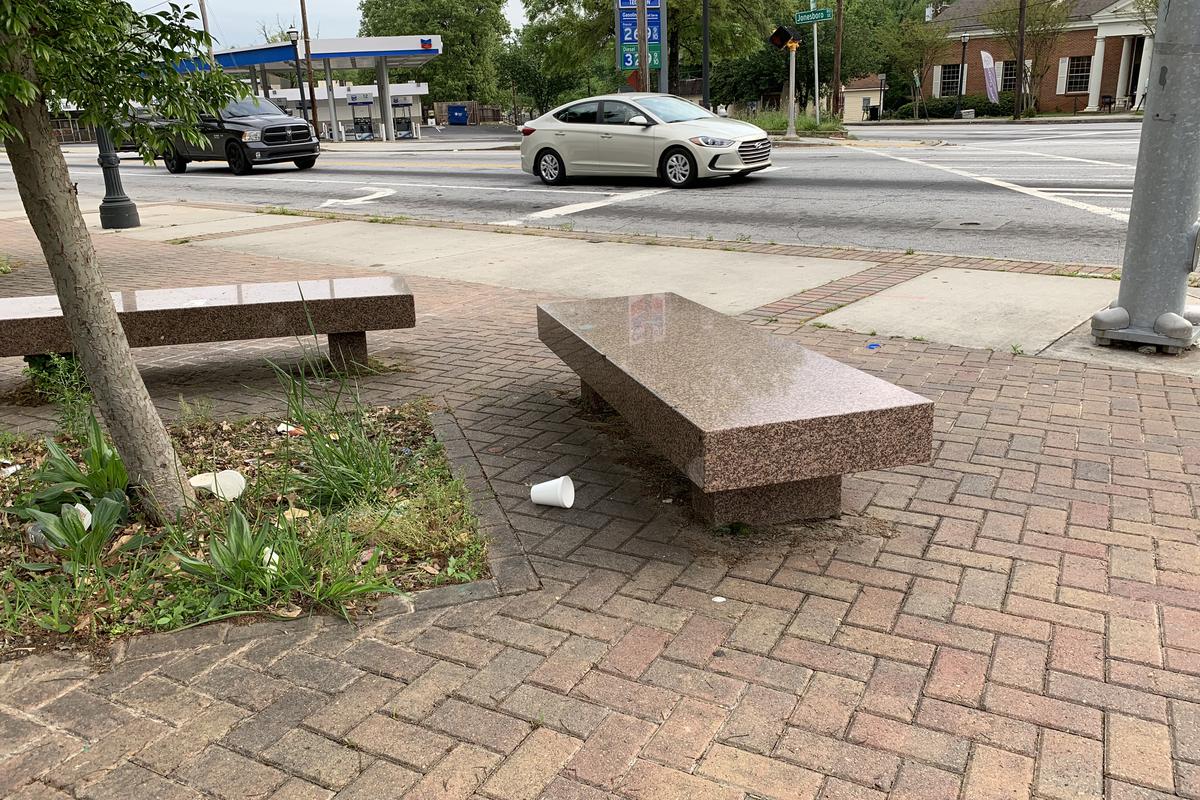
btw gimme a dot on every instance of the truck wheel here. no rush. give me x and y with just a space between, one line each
175 163
305 163
239 162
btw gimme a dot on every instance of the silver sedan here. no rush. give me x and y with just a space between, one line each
650 135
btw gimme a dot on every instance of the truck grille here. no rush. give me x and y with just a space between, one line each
285 134
755 152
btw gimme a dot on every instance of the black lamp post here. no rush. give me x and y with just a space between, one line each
294 36
116 209
962 68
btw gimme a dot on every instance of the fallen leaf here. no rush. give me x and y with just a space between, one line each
120 542
432 569
291 612
295 514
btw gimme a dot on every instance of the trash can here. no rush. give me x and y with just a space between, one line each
457 115
873 114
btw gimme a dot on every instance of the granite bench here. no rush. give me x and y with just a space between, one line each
763 428
343 309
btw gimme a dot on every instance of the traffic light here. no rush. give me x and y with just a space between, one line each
781 37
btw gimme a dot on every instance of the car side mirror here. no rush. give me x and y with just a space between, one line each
639 119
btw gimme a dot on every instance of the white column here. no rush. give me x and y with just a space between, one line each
1143 82
1126 63
333 120
1096 76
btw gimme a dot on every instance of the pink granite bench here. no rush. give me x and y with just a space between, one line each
343 309
762 427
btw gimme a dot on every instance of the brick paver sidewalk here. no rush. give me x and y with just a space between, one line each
1020 618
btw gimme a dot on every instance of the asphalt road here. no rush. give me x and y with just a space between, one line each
1057 192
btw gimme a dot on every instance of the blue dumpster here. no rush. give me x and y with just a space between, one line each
458 115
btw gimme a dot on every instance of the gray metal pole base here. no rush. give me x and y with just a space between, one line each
117 214
116 209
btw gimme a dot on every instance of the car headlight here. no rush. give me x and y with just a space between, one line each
251 136
710 141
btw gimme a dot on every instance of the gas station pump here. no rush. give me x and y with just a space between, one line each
360 108
402 119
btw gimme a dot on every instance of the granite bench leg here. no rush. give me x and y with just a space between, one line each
817 498
591 401
348 351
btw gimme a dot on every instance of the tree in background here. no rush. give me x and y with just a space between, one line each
1044 25
914 46
1147 11
527 67
472 34
101 56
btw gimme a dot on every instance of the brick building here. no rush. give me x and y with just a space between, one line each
1100 56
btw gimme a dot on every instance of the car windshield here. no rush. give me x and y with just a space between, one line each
250 107
673 109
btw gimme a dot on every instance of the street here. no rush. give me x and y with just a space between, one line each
1056 192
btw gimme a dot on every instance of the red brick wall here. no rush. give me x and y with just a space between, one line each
1071 43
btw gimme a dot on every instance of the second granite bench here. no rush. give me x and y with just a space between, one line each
762 427
343 309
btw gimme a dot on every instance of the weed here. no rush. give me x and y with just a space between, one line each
6 265
347 460
770 320
59 380
708 238
910 252
871 333
388 220
195 412
282 211
567 226
78 535
1017 350
819 325
919 339
743 237
102 473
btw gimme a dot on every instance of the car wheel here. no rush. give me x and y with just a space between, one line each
305 163
678 168
239 163
174 162
550 168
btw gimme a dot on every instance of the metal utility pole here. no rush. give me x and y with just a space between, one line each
204 22
664 84
294 37
312 91
643 48
116 209
792 46
962 67
1164 221
1019 100
706 100
837 64
812 6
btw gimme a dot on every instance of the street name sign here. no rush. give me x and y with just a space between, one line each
814 16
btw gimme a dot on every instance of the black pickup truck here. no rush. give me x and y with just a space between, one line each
247 132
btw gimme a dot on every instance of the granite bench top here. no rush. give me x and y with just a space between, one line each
221 313
731 405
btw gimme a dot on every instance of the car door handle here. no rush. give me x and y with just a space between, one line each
606 136
560 133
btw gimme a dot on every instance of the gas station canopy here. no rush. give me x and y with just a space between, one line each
364 52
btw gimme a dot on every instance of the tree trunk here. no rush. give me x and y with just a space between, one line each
91 318
673 58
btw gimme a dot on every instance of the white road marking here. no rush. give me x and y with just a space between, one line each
1053 136
1053 156
1038 193
575 208
772 168
358 201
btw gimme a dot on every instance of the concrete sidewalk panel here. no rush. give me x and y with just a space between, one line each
728 282
977 308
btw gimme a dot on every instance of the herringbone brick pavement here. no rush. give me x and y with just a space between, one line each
1020 618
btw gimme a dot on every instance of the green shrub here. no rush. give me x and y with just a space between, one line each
59 380
944 107
776 122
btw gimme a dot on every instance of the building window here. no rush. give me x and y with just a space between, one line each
1008 81
950 81
1079 73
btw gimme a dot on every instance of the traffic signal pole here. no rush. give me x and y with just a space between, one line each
791 128
1164 221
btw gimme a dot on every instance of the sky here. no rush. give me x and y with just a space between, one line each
234 24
